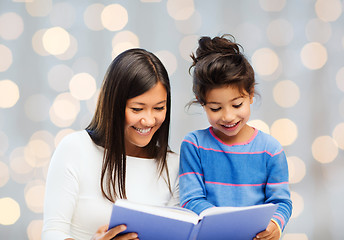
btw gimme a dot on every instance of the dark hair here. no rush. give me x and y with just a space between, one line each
218 62
130 74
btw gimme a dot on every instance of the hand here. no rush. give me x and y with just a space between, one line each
103 234
272 232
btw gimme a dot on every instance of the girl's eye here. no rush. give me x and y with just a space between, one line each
237 106
215 109
160 108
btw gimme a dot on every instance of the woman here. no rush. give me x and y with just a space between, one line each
123 153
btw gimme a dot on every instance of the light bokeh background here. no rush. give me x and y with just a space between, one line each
54 54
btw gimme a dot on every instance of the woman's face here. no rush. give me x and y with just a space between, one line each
144 115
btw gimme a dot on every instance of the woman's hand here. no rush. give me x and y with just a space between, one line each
272 232
103 234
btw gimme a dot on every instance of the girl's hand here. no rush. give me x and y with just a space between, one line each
272 232
103 234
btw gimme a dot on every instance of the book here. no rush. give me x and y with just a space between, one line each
176 223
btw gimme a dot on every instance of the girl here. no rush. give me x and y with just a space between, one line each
231 163
123 153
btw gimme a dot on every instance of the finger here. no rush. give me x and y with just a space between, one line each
127 236
115 231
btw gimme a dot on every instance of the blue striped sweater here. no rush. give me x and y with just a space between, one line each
213 173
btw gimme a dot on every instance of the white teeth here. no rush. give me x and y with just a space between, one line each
143 130
228 126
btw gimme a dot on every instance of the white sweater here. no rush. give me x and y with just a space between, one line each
74 206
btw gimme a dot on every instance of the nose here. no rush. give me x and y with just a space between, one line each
227 116
148 120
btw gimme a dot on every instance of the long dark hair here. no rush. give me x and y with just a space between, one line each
130 74
219 62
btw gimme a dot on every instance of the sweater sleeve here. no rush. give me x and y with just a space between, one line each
61 193
191 178
277 188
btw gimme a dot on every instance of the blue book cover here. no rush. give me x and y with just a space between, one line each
168 223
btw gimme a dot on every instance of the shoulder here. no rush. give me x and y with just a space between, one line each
198 135
172 161
75 139
268 142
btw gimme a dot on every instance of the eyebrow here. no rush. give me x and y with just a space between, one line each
230 100
139 103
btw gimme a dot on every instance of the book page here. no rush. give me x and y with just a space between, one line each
219 210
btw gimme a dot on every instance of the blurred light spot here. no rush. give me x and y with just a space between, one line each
6 58
114 17
18 163
65 20
169 61
87 65
324 149
37 43
11 26
92 102
280 32
328 10
338 135
318 31
64 110
285 131
341 108
82 86
4 143
286 93
37 153
340 79
190 25
34 230
37 108
59 77
123 41
39 8
34 196
260 125
56 40
10 211
272 5
9 93
92 17
150 1
187 45
295 236
298 204
243 34
4 174
297 169
180 9
61 134
314 55
71 50
265 61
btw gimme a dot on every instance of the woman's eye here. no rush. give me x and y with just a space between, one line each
136 109
237 106
160 108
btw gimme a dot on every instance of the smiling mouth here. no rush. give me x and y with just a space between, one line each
230 125
143 130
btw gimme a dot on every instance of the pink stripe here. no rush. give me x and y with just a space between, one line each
244 185
185 203
279 218
243 143
215 150
190 173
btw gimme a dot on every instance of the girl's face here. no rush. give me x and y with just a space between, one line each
144 115
228 112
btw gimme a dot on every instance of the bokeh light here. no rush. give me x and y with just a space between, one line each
180 9
297 169
64 110
265 61
260 125
56 40
123 41
39 8
82 86
4 143
10 211
34 230
191 24
11 26
285 131
114 17
9 93
187 45
280 32
169 61
324 149
70 51
4 174
34 196
318 31
340 79
37 43
6 58
338 135
286 93
298 204
328 10
92 16
295 236
314 55
272 5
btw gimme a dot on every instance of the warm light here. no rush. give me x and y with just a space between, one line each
34 196
37 43
324 149
265 61
4 174
37 153
82 86
123 41
70 51
64 110
190 25
169 61
338 135
328 10
61 134
295 236
340 79
56 40
285 131
9 93
187 45
10 211
280 32
272 5
34 230
260 125
314 55
286 93
298 204
114 17
180 9
39 8
297 169
11 26
6 58
92 17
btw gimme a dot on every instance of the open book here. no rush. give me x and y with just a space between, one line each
173 223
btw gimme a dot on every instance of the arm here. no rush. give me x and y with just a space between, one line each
191 179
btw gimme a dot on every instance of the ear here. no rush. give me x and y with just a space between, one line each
251 95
